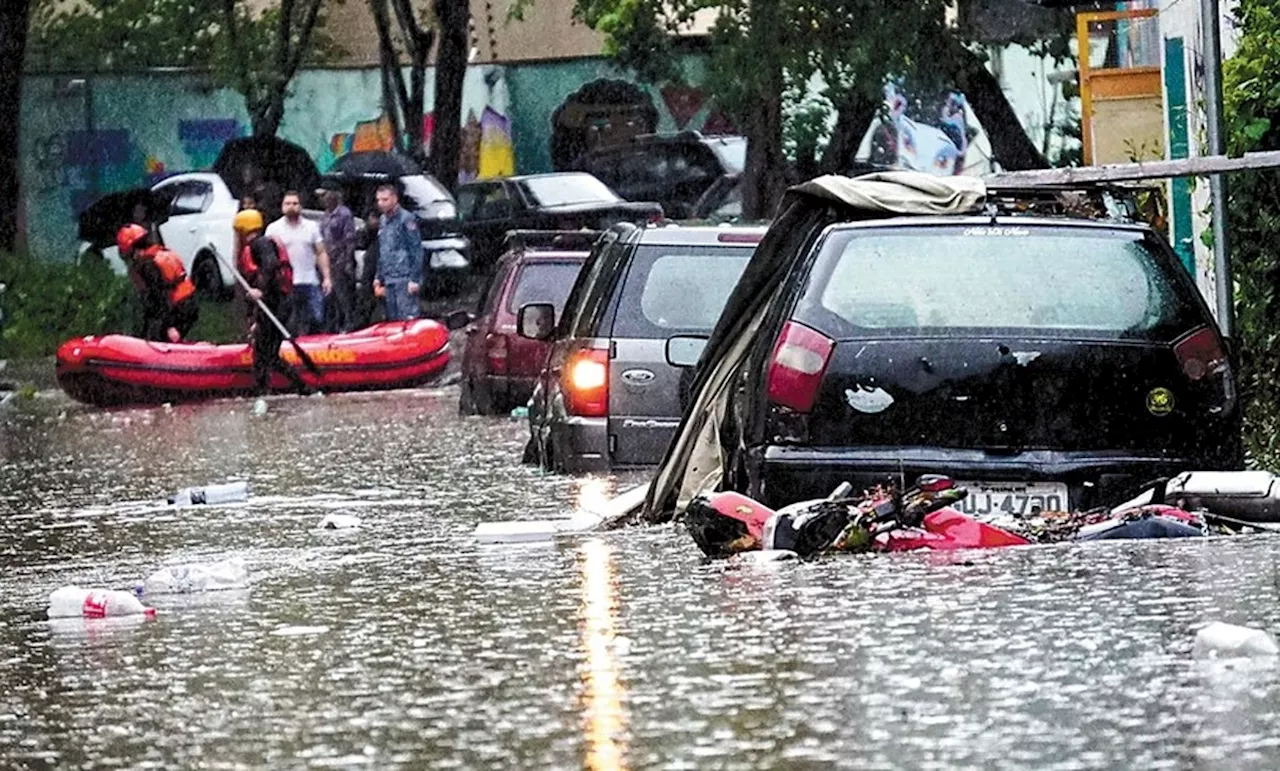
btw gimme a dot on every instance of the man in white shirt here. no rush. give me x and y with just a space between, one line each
310 261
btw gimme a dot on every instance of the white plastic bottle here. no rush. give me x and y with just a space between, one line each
196 577
73 601
211 495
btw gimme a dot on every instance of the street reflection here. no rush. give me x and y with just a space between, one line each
605 720
593 493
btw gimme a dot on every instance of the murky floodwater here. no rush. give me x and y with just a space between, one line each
404 644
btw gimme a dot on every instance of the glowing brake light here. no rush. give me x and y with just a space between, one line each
1200 353
586 383
799 360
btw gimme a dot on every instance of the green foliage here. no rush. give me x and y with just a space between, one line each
1251 88
46 303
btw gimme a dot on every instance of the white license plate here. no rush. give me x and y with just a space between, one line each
1012 498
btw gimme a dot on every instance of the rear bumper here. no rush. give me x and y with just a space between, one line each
580 444
510 389
787 474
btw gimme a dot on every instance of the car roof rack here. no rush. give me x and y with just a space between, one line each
566 240
1120 201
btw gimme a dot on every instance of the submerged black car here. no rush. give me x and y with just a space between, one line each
1046 362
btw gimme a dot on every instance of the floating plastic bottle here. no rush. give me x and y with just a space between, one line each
1219 640
75 601
196 577
211 495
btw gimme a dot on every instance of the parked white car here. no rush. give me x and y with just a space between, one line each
198 228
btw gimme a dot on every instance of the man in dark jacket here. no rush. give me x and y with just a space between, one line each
399 272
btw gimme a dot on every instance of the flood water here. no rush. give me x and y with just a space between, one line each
404 644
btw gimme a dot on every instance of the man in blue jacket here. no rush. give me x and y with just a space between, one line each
399 257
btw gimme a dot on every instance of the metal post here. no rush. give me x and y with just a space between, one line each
1212 53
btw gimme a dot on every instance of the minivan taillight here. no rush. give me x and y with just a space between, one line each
1200 353
795 371
585 382
497 354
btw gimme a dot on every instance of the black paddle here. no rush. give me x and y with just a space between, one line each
302 355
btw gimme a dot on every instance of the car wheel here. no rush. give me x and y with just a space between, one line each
208 279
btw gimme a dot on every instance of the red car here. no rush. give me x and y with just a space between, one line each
499 368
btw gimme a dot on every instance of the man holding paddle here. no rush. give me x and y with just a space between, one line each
268 275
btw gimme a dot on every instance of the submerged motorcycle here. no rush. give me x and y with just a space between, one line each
887 519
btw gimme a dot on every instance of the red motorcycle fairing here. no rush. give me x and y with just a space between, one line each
948 529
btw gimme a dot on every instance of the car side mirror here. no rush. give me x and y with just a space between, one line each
458 320
537 321
685 350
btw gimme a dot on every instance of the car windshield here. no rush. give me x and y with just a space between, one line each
678 289
563 189
544 282
732 152
1000 276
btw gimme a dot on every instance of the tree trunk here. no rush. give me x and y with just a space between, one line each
267 109
854 114
14 16
394 93
764 179
451 69
1010 145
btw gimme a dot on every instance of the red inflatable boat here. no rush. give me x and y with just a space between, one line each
118 369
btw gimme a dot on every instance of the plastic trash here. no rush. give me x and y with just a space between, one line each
1219 640
260 407
520 412
211 495
196 577
339 522
766 555
73 601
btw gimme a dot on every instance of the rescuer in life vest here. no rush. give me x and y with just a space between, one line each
264 264
169 307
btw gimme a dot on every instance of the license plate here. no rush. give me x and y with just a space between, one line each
1012 498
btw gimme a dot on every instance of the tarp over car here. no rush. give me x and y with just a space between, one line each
695 461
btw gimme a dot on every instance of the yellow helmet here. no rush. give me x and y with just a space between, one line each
248 221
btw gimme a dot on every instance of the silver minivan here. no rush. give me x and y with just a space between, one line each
608 397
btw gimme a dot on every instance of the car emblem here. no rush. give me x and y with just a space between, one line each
1160 401
638 376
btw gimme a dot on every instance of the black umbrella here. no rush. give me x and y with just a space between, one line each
105 216
265 167
377 163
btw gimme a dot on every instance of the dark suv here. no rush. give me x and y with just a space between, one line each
607 397
499 368
675 170
1044 361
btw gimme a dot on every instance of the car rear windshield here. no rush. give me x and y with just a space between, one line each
564 189
1056 280
672 290
543 282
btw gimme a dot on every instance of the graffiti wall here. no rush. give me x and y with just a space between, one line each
85 137
933 135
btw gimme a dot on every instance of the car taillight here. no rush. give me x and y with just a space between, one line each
586 383
799 360
497 354
1200 353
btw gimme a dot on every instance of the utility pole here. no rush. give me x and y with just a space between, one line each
1211 46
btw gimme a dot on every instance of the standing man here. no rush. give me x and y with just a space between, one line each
338 229
311 279
264 264
399 257
168 297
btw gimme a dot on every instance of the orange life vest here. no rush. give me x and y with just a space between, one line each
175 276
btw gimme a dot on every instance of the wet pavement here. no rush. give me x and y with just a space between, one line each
405 644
